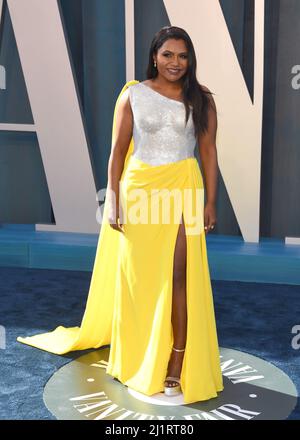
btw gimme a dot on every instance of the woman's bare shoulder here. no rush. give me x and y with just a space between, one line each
124 103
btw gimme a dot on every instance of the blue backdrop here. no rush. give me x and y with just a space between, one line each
95 32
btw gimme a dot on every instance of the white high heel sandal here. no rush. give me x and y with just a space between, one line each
173 390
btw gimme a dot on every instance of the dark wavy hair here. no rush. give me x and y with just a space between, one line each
193 91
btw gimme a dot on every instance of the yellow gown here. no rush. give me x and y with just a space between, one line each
129 303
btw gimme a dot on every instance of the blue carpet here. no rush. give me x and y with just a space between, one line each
253 317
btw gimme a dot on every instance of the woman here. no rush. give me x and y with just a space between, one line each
150 296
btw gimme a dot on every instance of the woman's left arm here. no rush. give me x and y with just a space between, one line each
209 161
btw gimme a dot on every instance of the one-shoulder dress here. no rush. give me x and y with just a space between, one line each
129 303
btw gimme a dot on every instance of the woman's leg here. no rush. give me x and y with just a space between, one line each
179 307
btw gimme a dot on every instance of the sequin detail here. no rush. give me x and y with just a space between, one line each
159 132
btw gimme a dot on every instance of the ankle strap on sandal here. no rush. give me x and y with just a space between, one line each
176 349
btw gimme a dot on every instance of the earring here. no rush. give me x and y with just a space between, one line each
154 63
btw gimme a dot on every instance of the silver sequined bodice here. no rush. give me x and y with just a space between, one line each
159 132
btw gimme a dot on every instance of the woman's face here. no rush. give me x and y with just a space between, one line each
172 55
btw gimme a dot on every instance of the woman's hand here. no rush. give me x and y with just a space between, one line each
210 217
115 216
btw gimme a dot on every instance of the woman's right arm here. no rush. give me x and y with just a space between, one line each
122 137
